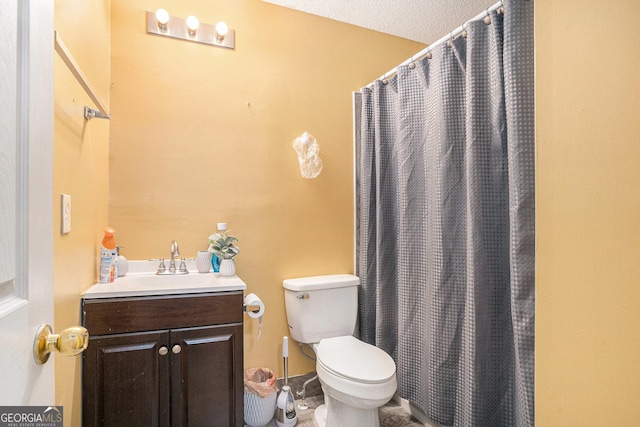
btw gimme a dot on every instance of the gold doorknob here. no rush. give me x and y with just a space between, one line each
70 342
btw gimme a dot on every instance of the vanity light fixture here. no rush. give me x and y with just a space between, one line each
162 24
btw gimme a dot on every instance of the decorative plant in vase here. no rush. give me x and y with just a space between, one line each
221 244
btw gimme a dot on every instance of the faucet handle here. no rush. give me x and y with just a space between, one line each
161 268
183 267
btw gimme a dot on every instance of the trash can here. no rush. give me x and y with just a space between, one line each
259 396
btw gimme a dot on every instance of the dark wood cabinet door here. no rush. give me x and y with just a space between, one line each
126 380
207 376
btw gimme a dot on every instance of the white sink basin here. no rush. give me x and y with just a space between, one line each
142 280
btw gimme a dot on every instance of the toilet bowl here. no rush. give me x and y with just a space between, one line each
356 378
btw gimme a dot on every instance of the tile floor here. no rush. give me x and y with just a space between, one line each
391 415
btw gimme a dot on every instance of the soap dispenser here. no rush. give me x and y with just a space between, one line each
123 265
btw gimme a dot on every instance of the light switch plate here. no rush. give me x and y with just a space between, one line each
65 213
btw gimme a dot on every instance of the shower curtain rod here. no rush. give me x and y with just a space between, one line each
427 50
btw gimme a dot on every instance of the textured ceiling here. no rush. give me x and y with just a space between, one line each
421 20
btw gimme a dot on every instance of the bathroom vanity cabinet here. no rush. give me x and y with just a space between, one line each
174 360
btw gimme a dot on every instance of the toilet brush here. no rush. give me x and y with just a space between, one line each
285 408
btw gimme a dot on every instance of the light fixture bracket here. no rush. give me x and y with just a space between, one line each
177 28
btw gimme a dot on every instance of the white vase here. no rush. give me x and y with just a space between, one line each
227 267
203 261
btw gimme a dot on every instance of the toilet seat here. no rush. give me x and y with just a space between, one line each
351 359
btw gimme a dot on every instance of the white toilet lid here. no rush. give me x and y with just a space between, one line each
351 358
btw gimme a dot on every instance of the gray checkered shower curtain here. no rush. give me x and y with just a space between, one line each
445 189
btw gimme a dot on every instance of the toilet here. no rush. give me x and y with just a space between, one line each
357 378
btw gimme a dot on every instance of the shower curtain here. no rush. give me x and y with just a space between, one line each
445 234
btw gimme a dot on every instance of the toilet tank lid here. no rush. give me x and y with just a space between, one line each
321 282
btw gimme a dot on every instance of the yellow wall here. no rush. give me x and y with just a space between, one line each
588 213
81 169
202 135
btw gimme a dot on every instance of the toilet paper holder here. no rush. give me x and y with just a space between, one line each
252 308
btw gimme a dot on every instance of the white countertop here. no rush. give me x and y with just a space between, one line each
141 280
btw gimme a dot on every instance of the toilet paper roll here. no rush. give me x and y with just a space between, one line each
253 300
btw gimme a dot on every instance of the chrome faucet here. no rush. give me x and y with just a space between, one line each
175 252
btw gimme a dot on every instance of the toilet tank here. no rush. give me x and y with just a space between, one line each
321 307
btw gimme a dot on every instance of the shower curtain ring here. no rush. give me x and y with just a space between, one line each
464 30
487 19
412 64
450 42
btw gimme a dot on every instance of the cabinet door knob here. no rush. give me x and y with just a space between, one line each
176 349
163 351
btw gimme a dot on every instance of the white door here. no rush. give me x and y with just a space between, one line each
26 198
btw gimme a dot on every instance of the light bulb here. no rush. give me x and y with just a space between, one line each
192 24
221 30
162 16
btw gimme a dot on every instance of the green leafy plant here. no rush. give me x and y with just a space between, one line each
221 244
